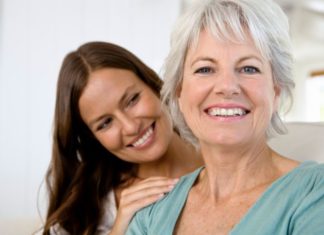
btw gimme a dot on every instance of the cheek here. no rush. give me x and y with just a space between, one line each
110 140
183 104
265 100
261 93
272 99
150 105
184 99
189 104
272 92
193 93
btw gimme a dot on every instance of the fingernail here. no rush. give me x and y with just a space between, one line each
171 186
175 181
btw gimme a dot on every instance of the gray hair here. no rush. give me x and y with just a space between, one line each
227 19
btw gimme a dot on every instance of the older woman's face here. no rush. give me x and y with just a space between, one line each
227 95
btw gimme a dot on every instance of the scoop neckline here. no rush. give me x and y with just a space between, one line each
197 172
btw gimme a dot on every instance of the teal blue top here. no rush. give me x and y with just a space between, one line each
293 204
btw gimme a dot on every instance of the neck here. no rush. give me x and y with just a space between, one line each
230 173
180 158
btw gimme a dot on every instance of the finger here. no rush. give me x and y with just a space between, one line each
126 212
145 193
143 202
150 183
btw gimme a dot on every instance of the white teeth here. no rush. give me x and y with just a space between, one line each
144 138
226 112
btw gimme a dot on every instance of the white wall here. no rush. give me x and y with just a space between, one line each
34 37
307 31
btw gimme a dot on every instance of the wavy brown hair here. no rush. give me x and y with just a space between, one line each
82 171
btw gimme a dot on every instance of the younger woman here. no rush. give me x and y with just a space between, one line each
114 144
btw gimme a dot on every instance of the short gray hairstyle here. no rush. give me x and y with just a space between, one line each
227 19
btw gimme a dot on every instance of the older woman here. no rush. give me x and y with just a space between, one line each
228 69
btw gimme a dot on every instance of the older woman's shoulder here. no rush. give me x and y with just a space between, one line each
300 183
308 178
311 168
178 195
159 217
308 215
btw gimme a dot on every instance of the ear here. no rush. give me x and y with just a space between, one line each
178 90
277 92
178 94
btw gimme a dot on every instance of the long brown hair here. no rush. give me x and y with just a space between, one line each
82 171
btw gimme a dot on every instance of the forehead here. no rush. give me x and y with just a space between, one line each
105 90
207 44
108 84
104 81
112 76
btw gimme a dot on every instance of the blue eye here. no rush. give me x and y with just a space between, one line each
250 70
105 123
204 70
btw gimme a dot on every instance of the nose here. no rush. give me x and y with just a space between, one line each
129 125
227 84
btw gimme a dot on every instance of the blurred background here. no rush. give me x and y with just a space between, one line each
35 35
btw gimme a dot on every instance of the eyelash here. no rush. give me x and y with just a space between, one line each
105 123
255 69
133 100
204 70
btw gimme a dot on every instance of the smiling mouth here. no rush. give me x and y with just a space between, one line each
227 112
144 138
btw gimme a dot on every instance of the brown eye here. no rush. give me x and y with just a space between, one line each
105 124
133 100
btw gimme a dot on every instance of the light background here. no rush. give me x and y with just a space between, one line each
35 35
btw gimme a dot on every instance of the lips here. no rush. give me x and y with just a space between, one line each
144 138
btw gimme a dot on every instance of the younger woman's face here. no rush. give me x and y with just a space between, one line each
125 115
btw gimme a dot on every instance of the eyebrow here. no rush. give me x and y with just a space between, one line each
251 57
209 59
121 101
202 58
